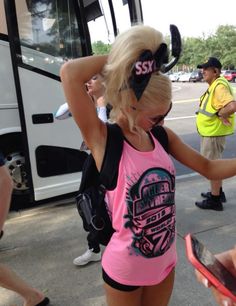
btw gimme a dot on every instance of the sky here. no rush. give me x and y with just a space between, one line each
193 18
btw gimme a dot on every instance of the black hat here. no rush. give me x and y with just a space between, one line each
212 62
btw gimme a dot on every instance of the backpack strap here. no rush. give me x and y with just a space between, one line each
160 134
114 148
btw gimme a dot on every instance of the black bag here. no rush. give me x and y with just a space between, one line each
90 200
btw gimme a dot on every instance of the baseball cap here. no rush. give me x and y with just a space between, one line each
212 62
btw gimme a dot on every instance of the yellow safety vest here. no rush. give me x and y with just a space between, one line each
208 123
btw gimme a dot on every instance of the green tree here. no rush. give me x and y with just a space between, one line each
100 47
226 45
222 45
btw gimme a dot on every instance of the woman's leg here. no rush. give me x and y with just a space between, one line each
158 295
6 186
125 298
10 280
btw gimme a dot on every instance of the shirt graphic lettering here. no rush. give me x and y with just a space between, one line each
151 212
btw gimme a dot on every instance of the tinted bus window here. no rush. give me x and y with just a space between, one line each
49 33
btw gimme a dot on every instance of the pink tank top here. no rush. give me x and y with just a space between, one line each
142 250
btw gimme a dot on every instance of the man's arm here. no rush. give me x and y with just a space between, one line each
224 101
227 110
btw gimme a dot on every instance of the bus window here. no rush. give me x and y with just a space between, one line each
103 28
49 33
122 16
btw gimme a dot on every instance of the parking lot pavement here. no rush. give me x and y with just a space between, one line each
40 244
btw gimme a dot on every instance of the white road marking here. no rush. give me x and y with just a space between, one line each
186 176
183 117
178 118
186 101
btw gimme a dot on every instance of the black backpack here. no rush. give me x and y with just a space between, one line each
90 200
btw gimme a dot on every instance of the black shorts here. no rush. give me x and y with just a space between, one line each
1 160
116 285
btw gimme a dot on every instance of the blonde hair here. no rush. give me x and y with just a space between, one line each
124 53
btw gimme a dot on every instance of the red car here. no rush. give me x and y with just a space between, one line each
230 75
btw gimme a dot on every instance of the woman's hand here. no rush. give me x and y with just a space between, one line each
228 259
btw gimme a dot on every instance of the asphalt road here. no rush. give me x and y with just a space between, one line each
182 120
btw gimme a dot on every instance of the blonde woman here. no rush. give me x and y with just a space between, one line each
139 261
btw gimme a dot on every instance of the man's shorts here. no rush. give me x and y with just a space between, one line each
1 160
212 147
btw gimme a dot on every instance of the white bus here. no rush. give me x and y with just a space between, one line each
36 37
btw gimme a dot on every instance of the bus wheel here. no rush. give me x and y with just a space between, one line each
15 162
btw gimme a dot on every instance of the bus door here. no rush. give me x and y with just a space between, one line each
42 36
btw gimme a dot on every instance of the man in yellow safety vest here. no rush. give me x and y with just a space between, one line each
215 120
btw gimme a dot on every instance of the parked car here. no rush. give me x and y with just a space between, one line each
185 77
174 77
222 72
230 75
196 76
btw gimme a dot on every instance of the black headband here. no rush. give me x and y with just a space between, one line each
146 64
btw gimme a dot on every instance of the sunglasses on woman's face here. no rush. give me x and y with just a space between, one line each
156 120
